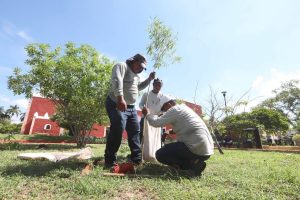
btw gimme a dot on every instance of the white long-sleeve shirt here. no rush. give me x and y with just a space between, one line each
124 82
189 128
154 102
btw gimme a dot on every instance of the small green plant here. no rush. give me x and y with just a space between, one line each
9 137
9 143
10 128
100 140
95 140
12 146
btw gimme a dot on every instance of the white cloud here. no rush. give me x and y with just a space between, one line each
21 102
12 31
36 94
263 85
258 80
15 119
4 99
25 36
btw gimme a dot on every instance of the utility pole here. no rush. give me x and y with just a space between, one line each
224 95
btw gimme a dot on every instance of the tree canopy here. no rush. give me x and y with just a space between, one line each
270 120
4 116
13 110
286 100
76 79
162 47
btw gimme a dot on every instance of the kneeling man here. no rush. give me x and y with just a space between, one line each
194 143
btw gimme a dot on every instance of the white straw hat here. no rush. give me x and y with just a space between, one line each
165 99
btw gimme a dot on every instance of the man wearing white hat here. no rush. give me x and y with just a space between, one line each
125 84
194 143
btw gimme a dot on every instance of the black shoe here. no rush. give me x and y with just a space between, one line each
198 167
137 163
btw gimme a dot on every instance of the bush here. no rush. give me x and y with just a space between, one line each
296 139
10 128
95 140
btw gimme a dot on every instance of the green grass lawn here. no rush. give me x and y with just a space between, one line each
234 175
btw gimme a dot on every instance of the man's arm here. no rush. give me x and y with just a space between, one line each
143 101
145 83
167 118
118 74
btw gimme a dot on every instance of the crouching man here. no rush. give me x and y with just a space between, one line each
194 143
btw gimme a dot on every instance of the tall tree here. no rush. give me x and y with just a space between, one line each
3 115
272 121
13 110
161 49
216 108
22 116
162 46
76 79
286 100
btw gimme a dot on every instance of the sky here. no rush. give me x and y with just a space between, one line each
233 46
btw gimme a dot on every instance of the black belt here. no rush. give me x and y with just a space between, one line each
130 106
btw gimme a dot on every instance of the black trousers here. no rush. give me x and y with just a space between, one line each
177 154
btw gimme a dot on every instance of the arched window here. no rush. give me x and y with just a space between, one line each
47 127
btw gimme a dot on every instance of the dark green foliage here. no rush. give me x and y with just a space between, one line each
286 100
10 128
76 79
268 119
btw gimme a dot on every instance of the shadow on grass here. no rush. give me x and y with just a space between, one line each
26 146
39 168
44 168
149 170
163 172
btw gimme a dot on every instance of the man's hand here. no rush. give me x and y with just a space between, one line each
152 76
121 105
145 111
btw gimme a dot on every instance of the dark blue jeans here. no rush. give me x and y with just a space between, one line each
142 128
177 154
120 121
